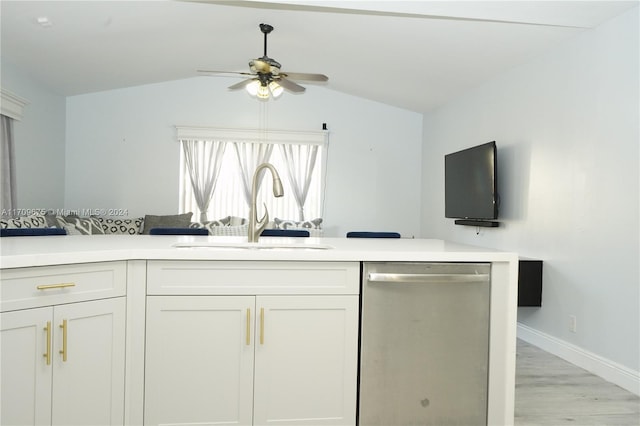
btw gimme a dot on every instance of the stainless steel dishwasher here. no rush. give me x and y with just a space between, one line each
424 350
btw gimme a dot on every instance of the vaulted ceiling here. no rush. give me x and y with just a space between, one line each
412 54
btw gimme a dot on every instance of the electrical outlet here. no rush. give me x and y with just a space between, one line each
572 323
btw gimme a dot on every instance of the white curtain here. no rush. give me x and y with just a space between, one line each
300 161
204 160
250 156
8 184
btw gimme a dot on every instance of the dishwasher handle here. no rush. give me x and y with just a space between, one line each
387 277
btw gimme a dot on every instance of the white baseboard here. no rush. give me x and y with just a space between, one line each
609 370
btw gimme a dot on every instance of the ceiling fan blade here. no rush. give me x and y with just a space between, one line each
305 76
223 72
241 84
290 85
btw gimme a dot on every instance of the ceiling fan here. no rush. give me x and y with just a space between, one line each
266 78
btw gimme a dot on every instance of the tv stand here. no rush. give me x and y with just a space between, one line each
472 222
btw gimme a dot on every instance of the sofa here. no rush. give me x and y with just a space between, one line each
74 224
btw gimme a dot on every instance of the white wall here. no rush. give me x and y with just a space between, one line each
121 149
566 126
39 142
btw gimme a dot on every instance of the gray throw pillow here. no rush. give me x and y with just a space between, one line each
76 225
169 221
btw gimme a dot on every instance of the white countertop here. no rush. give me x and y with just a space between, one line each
16 252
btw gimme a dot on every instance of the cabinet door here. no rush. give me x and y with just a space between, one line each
199 360
88 378
26 376
306 360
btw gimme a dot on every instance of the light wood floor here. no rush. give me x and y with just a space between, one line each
552 391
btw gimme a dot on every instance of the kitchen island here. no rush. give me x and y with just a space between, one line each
153 288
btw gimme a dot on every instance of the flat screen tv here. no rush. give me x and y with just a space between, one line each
470 185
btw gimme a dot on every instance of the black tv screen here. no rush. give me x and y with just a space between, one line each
470 183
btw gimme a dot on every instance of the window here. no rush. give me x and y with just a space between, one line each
222 162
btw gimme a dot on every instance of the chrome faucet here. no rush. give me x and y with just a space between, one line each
256 226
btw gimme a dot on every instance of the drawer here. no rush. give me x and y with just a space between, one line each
259 277
23 288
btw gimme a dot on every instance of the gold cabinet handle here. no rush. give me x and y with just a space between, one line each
63 351
47 354
52 286
262 326
248 326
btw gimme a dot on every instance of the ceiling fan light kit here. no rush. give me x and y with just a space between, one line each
257 89
266 80
275 89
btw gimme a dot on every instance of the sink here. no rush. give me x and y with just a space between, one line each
254 246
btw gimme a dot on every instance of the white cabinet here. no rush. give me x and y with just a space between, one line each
199 360
26 377
252 357
63 364
306 360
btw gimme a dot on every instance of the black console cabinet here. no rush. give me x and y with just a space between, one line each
529 282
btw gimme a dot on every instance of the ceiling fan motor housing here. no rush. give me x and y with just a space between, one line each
264 65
